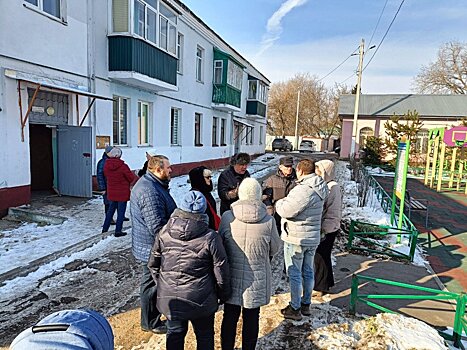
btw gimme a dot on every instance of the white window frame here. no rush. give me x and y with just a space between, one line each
142 104
169 35
261 92
215 131
223 132
119 100
261 130
199 64
39 7
175 132
198 131
252 135
218 67
234 75
180 41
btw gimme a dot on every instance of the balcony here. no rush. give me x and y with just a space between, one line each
226 98
135 62
256 109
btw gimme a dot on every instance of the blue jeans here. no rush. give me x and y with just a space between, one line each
121 208
299 263
204 331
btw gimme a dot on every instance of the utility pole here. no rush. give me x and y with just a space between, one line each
296 121
357 100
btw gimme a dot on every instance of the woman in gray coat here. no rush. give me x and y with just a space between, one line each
250 240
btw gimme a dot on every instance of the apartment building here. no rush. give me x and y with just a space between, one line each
140 74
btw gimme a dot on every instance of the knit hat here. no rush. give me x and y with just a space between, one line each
286 161
194 202
249 189
108 148
115 153
152 152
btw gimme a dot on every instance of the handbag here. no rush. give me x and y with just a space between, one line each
217 218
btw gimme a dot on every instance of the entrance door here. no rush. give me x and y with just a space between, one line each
74 160
41 159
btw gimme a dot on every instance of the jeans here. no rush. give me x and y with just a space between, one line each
150 316
121 208
299 262
204 331
106 203
250 327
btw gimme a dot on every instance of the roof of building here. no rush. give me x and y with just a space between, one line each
388 105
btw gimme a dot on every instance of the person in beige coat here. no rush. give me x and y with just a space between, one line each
330 228
250 240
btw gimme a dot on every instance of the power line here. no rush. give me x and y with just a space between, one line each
350 76
384 36
333 70
377 23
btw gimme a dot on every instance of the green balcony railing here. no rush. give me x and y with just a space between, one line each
460 321
131 54
225 94
256 108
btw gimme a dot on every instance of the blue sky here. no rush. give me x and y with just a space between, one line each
314 36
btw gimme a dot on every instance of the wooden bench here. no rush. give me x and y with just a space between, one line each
413 204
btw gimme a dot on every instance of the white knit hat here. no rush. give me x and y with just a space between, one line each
115 153
249 189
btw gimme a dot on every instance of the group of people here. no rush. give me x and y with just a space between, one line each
193 259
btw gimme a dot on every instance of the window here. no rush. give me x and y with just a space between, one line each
218 66
257 90
234 75
421 143
143 123
120 16
251 135
151 28
52 7
223 122
175 126
168 29
199 63
180 53
120 118
215 123
198 129
139 18
364 133
261 129
145 19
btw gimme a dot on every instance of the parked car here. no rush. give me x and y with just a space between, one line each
282 145
307 146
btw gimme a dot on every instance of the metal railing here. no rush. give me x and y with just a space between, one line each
460 321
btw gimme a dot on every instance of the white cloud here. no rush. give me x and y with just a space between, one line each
274 25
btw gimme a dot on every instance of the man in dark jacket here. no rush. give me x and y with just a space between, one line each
151 206
230 179
192 275
278 186
101 180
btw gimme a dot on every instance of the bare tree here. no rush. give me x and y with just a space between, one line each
318 107
448 74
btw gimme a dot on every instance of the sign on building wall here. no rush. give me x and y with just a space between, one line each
102 141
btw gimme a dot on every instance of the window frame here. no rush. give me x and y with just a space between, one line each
198 129
215 128
234 75
261 130
180 43
170 24
178 129
217 69
148 122
223 129
39 8
199 64
119 100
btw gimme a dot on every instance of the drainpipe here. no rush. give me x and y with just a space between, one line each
91 65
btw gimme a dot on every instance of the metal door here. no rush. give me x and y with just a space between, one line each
74 161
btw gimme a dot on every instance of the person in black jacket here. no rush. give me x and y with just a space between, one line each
230 179
201 180
189 264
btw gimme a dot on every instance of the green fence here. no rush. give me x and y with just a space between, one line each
460 321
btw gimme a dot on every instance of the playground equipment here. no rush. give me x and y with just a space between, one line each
446 159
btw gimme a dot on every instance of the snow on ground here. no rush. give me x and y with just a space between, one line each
29 242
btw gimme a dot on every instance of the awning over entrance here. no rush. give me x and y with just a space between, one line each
48 84
242 121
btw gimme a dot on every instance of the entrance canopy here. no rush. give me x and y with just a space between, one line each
48 84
